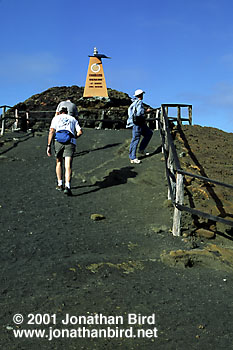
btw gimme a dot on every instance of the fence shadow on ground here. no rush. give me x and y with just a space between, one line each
16 141
82 153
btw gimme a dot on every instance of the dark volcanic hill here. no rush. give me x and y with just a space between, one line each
43 105
50 98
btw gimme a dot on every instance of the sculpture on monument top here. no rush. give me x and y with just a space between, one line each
95 82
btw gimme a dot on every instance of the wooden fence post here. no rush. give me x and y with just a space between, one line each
27 120
165 131
178 115
3 120
190 115
15 125
179 199
170 167
162 126
102 118
16 119
157 121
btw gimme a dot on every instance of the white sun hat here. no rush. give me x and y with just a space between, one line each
139 92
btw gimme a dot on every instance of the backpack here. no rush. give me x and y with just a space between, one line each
138 120
63 136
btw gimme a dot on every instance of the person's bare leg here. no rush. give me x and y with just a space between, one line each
59 169
68 170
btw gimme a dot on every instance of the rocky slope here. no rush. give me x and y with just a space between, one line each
207 152
50 98
42 106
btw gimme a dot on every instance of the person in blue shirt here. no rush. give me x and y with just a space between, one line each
136 121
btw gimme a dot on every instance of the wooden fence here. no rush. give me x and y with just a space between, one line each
101 118
175 174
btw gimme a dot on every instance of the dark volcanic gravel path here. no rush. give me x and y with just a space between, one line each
56 260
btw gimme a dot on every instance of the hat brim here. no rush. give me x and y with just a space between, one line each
143 92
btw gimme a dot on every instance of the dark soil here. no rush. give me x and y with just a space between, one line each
56 260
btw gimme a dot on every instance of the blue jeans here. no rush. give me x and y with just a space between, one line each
137 132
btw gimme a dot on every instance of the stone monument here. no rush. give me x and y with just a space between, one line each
95 82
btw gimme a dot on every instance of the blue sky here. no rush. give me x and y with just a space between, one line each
178 51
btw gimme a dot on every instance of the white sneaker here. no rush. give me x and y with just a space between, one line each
135 161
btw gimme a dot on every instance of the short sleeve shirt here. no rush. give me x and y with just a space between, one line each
66 122
71 107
